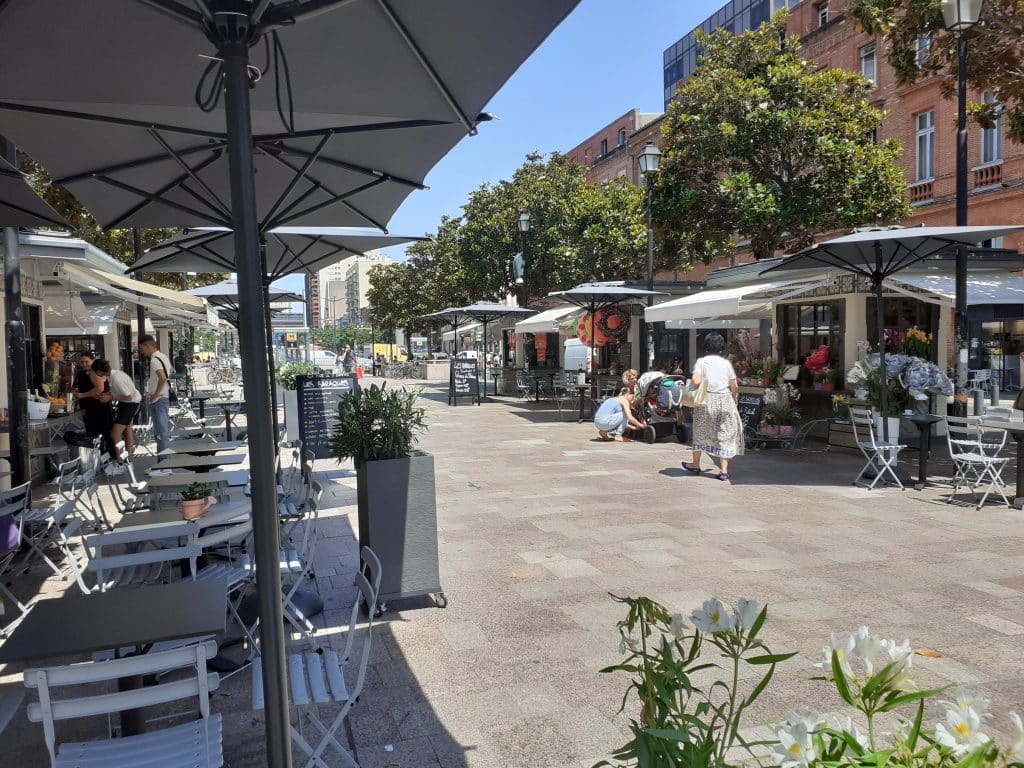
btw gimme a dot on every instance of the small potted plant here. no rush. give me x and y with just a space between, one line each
196 500
768 425
785 417
820 379
834 380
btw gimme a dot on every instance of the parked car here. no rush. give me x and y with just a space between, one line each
323 359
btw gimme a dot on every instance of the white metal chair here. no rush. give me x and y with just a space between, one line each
138 559
318 677
881 455
13 503
193 744
975 458
50 525
523 388
298 564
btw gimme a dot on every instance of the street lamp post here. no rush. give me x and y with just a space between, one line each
960 16
524 230
649 160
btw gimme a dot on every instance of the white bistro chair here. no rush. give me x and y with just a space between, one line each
881 455
975 455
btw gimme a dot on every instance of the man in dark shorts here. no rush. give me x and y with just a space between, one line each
97 416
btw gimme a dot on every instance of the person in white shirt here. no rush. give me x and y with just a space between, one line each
159 390
717 428
123 392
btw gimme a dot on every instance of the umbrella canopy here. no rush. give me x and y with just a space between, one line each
20 206
225 294
487 312
880 253
288 249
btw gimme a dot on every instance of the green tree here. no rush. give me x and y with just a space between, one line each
761 145
995 62
335 338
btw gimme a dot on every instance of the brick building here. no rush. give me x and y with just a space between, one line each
611 152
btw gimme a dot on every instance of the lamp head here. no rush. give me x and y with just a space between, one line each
524 222
961 15
649 158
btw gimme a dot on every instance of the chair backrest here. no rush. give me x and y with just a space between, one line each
369 596
998 412
863 422
104 564
51 709
67 473
963 435
12 503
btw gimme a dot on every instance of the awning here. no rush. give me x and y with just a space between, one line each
546 321
749 301
711 325
146 289
159 301
981 289
98 318
463 329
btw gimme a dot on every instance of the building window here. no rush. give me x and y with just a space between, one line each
924 46
805 327
867 63
992 138
822 15
622 137
925 165
604 147
872 135
992 242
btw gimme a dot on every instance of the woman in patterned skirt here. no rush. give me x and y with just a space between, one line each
717 429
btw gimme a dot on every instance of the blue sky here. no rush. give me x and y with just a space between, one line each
604 60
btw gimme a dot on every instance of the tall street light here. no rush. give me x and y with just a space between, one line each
649 160
960 16
524 230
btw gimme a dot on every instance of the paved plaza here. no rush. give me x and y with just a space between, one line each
539 522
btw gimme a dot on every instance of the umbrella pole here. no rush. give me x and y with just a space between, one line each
268 326
593 368
265 524
140 318
17 363
485 361
883 397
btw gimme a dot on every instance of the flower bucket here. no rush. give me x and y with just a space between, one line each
359 372
894 428
193 509
770 429
786 430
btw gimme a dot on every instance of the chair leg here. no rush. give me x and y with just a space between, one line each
327 737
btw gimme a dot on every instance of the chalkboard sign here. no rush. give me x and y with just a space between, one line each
750 406
463 381
318 398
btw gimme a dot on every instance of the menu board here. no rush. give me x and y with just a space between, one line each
318 398
750 406
463 381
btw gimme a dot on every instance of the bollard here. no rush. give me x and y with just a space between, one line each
993 394
979 403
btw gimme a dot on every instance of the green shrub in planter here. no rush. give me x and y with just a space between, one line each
289 372
377 423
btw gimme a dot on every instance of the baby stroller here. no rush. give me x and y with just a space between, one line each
659 423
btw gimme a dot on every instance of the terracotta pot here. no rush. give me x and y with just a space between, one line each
767 381
193 509
828 386
786 430
770 429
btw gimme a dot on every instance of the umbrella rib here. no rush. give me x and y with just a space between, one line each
284 266
151 197
213 147
343 129
123 121
282 148
335 199
299 176
34 214
191 174
277 17
424 62
175 10
214 257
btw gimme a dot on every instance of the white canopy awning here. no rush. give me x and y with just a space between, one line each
97 318
546 321
981 289
450 335
159 301
710 325
747 302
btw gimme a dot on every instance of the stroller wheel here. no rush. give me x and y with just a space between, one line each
650 434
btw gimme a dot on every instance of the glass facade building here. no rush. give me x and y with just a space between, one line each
736 16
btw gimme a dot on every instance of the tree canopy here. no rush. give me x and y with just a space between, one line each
996 50
761 145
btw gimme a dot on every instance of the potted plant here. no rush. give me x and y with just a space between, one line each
196 500
287 375
784 416
897 401
820 378
817 363
378 429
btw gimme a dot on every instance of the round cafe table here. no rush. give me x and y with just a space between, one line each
923 422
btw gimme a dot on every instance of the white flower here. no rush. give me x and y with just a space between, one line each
902 655
678 626
712 617
794 748
962 730
1017 748
628 643
968 702
867 647
747 612
842 647
847 726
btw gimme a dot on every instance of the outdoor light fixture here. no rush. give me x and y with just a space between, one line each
521 265
961 15
524 222
649 159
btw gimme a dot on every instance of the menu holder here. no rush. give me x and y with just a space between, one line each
318 398
463 381
750 405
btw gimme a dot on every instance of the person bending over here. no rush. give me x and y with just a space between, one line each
614 416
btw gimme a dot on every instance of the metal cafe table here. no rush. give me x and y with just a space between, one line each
1016 430
226 406
201 398
200 445
77 624
232 478
201 462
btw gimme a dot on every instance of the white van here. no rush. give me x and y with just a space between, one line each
576 357
323 358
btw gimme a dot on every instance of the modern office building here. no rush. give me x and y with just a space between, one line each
357 283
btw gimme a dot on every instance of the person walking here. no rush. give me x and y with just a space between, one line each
348 359
717 429
119 389
158 388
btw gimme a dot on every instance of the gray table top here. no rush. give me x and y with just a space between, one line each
172 515
234 477
1009 426
202 445
46 450
189 461
203 395
77 624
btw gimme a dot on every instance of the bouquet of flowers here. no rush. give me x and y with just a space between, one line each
818 360
909 378
917 343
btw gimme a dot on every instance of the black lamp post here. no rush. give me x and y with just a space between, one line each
960 16
524 230
649 160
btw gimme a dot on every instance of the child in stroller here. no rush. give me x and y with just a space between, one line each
658 423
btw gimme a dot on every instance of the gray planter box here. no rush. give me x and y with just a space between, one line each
398 520
291 413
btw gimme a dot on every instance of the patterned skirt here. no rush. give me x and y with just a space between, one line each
717 429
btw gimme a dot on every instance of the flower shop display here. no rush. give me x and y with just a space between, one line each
817 364
917 343
690 687
909 380
780 419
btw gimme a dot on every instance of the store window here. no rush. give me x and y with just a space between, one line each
996 346
992 137
672 346
900 314
925 160
805 327
823 14
868 63
542 350
604 147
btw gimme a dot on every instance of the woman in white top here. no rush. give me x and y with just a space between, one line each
128 399
717 429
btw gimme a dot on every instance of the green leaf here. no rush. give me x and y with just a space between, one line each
915 729
839 679
906 698
773 658
759 688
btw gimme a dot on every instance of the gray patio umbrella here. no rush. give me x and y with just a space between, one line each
879 253
487 312
452 316
20 206
317 65
597 296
